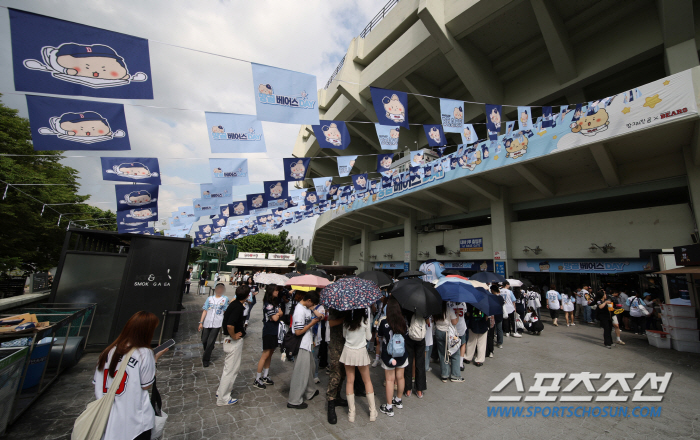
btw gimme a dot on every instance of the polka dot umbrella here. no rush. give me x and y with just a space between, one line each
350 294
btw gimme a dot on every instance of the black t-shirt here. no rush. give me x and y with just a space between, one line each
234 316
270 327
604 313
385 334
477 322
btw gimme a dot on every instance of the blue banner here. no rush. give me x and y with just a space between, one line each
219 221
469 134
204 207
238 208
131 169
471 244
384 162
229 172
136 196
295 168
333 192
296 197
359 182
586 266
493 120
417 158
225 210
105 64
388 136
125 221
524 118
391 107
546 116
332 134
499 267
479 265
255 202
311 198
435 135
187 214
231 133
451 115
275 193
220 195
71 124
285 96
345 165
322 186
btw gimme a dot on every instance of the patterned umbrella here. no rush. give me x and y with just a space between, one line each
307 281
350 294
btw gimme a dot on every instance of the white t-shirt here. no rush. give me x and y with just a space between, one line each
358 338
132 412
624 297
301 318
215 308
508 298
444 324
582 298
553 298
429 332
460 309
567 302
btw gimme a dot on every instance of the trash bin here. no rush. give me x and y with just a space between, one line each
37 363
11 363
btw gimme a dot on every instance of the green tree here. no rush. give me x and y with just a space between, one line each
312 261
30 240
268 243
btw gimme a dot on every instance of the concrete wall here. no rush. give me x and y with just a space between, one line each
450 239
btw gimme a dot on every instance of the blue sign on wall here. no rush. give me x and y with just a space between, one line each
500 268
478 265
585 266
471 244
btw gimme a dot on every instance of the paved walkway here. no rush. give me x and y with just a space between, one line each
448 410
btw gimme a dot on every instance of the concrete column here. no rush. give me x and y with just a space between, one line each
364 246
693 172
680 57
345 251
410 240
501 215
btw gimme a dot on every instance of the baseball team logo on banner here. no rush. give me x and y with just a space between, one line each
391 107
493 120
275 193
345 165
222 194
136 196
105 64
255 203
435 135
238 208
451 115
359 182
71 124
187 214
469 134
131 169
322 185
332 134
204 207
388 136
384 162
229 172
231 133
285 96
295 168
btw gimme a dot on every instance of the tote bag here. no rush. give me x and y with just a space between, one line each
91 424
161 417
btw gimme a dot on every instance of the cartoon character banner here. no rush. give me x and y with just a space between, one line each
332 134
105 64
204 207
285 96
296 196
384 162
345 165
388 137
435 135
332 192
231 133
220 194
295 168
275 193
229 172
71 124
131 169
493 120
469 134
255 202
664 101
391 107
322 185
187 214
136 196
359 182
310 199
126 220
524 118
452 115
417 158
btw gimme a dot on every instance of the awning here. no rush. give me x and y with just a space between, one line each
681 270
259 262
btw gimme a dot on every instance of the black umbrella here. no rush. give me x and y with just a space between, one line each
526 283
451 272
487 277
320 273
418 296
410 273
292 274
379 278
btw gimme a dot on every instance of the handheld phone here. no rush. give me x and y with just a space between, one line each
167 344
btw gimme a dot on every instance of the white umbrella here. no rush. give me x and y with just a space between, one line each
515 283
480 284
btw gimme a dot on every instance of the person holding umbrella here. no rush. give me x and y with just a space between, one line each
444 326
478 332
392 330
357 331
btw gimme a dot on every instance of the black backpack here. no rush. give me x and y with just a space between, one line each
291 343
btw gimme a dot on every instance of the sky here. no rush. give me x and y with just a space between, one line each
309 36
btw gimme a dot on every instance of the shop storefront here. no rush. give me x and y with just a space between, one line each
470 267
253 262
391 268
621 274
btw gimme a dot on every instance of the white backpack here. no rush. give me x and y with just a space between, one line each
416 331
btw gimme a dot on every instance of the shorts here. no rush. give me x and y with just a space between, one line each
464 338
554 314
269 342
389 367
614 320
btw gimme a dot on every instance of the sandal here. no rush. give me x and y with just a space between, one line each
407 393
419 394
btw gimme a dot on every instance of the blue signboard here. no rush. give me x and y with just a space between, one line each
390 265
500 268
585 266
406 267
471 244
478 265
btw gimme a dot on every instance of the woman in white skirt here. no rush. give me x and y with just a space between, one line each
357 331
567 305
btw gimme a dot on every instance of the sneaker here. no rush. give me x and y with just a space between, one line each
375 363
478 364
461 368
429 369
316 393
205 364
397 403
466 361
267 381
608 346
567 324
259 384
507 335
517 335
490 355
231 402
443 379
302 405
458 380
499 345
384 410
619 341
317 380
573 323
